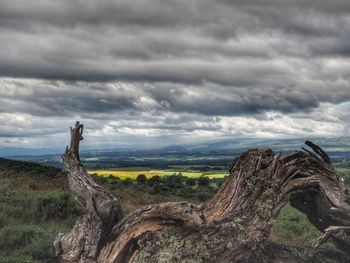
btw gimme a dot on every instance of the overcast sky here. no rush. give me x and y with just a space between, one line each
160 72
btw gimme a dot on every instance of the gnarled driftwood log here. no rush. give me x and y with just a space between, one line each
233 226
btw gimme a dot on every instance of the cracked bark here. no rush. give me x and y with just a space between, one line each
233 226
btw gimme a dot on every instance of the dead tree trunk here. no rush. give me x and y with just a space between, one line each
233 226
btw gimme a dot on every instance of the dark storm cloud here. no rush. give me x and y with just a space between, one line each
58 98
71 13
153 40
176 66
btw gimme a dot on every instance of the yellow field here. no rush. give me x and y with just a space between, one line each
151 173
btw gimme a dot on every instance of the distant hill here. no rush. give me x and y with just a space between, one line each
330 144
214 152
17 151
13 167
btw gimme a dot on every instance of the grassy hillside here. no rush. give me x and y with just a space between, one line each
10 168
36 205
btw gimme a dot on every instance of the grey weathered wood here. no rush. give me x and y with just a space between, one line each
233 226
83 243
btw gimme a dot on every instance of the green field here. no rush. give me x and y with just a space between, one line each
344 172
124 173
90 159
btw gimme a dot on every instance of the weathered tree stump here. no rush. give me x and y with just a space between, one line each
233 226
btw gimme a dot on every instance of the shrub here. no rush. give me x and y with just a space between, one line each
114 180
27 243
141 179
17 206
191 182
154 180
203 181
127 181
100 179
42 248
186 191
14 236
56 206
201 196
5 186
17 258
174 181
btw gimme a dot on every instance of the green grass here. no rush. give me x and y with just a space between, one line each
90 159
31 219
336 149
293 228
31 243
344 172
34 209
